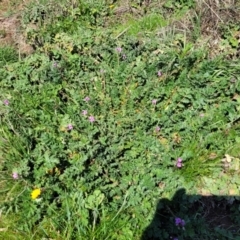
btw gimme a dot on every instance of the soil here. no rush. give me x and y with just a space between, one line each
10 26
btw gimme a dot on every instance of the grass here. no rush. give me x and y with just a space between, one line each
147 23
139 94
8 55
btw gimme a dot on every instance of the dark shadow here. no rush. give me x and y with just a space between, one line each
195 217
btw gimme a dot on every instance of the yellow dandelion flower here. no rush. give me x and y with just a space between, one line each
111 6
35 193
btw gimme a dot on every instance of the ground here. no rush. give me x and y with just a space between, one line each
10 30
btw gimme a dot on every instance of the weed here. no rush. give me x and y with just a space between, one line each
7 55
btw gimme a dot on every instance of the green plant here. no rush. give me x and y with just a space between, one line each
179 4
7 55
97 124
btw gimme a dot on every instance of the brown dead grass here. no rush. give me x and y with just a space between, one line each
209 17
10 26
203 24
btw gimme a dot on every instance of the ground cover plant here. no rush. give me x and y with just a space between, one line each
104 120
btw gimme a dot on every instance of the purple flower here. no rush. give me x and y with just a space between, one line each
154 101
86 99
179 164
157 129
55 64
118 49
6 102
179 160
179 222
91 119
69 126
159 73
84 112
175 238
15 175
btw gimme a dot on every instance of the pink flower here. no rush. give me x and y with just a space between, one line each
118 49
91 119
154 101
84 112
179 159
179 163
157 129
55 64
86 99
15 175
6 102
159 73
69 126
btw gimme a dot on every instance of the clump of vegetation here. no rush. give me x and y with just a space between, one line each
7 55
100 124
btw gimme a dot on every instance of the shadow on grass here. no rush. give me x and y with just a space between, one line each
195 217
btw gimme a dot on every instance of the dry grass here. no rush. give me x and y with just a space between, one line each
10 12
204 23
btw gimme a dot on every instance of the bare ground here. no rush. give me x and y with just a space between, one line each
10 26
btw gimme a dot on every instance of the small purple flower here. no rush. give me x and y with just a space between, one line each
69 126
84 112
91 119
179 222
175 238
157 129
159 73
6 102
179 160
15 175
154 101
86 99
118 49
55 64
179 164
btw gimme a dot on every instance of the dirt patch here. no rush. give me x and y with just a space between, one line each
10 27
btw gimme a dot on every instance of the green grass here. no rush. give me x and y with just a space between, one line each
7 55
147 23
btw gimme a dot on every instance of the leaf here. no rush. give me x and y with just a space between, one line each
235 164
185 100
233 190
212 155
94 200
206 192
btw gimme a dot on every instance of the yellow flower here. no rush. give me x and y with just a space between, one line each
35 193
111 6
